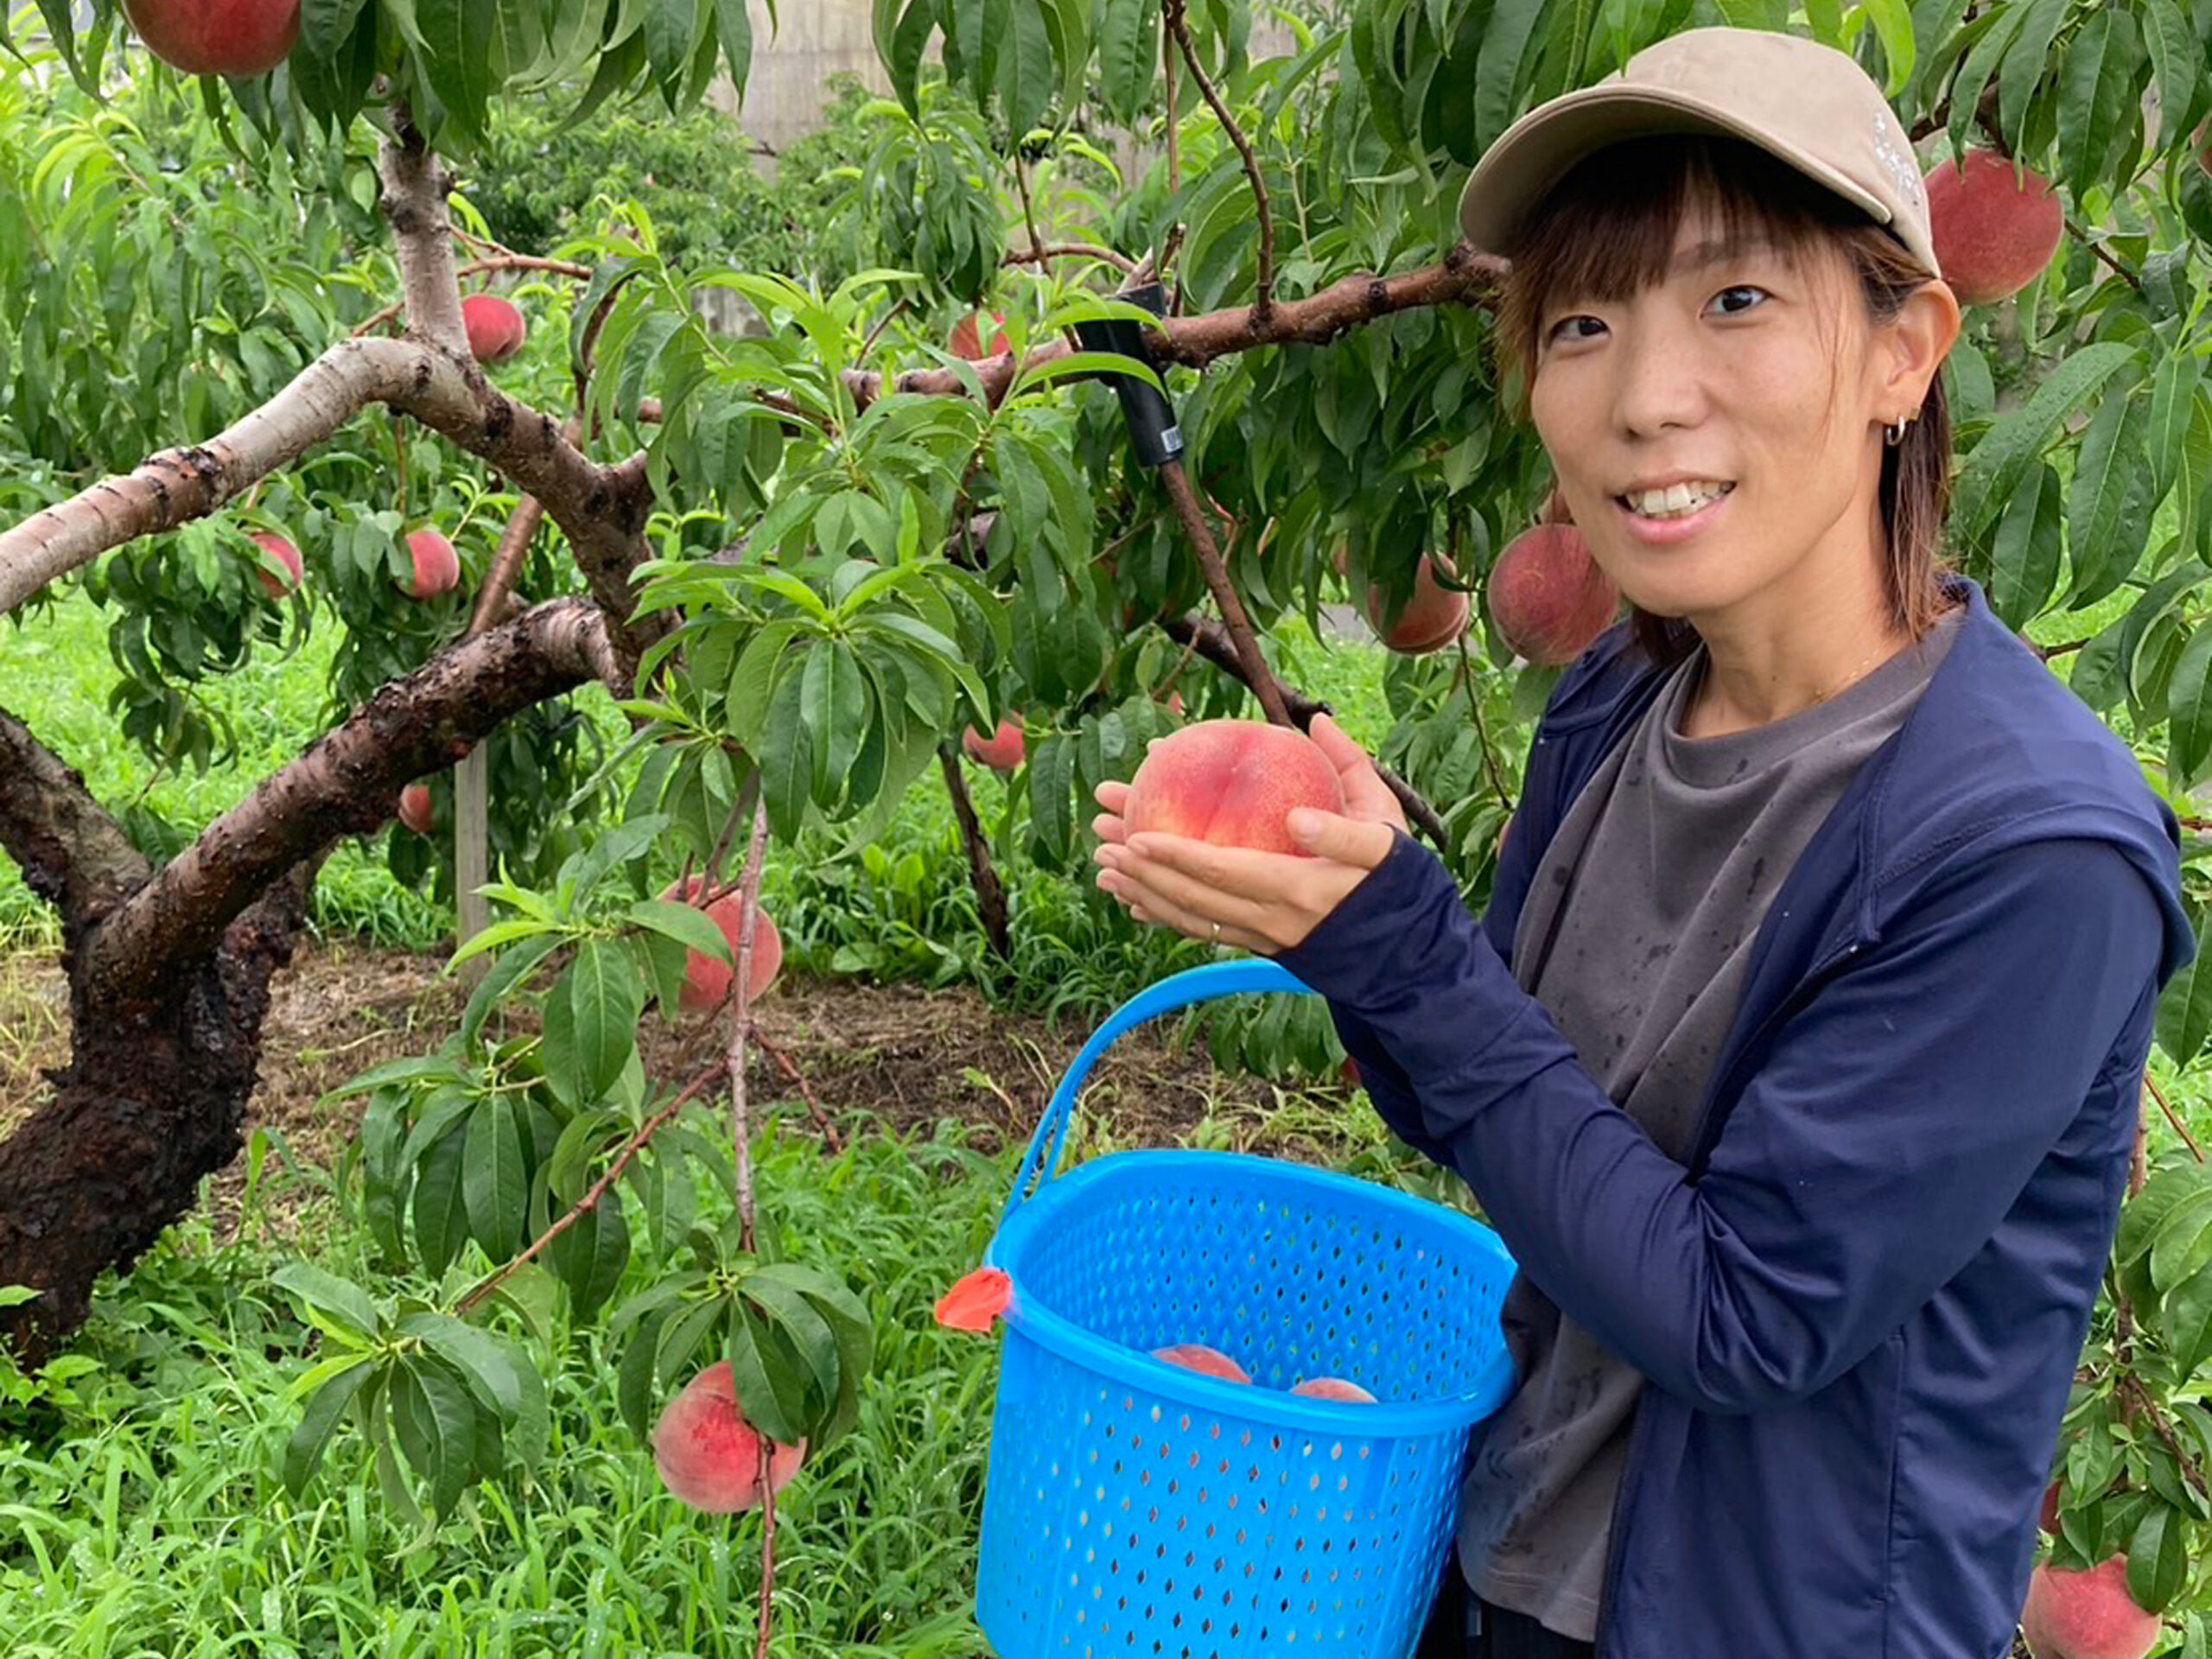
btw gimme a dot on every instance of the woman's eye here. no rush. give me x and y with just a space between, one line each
1559 329
1740 291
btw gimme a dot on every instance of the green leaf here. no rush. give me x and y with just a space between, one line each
430 1399
1025 80
685 923
503 1375
766 1373
1997 464
633 1376
310 1437
2025 60
603 1000
413 1068
1974 74
786 758
734 22
2176 59
1129 56
833 698
2144 1214
2093 95
1499 65
2024 559
2105 468
1892 21
336 1308
2183 1246
326 25
591 1255
2185 1317
2173 402
441 1211
2158 1559
2185 1006
494 1183
512 969
2188 709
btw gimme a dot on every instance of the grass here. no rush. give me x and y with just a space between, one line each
144 1516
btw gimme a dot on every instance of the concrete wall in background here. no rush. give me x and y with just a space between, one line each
791 67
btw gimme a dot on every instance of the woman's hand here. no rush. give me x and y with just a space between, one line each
1231 895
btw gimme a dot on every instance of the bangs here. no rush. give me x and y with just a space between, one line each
1608 229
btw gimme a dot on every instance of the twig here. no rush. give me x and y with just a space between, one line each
506 561
1028 208
1172 16
1174 237
876 332
1214 644
836 1142
1481 727
1036 255
2131 1384
593 1193
2174 1118
768 1545
740 994
990 892
2104 254
1264 684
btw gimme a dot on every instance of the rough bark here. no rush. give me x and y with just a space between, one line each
150 1101
168 971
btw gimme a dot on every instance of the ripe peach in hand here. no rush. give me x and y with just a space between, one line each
1196 1357
2086 1615
1231 783
1334 1388
708 1455
706 981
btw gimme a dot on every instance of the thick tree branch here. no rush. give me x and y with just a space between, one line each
1179 27
72 855
345 783
1212 642
416 185
602 510
1464 277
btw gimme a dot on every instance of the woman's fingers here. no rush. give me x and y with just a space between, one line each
1366 795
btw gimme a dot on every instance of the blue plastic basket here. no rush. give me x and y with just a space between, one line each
1133 1507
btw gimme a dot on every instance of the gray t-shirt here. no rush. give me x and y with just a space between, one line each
1635 937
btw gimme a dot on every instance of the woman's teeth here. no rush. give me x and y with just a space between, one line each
1676 501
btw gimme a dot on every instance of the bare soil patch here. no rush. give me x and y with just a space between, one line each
895 1057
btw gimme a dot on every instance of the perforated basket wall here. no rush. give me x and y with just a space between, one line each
1136 1507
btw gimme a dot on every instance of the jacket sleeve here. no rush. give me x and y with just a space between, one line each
1898 1115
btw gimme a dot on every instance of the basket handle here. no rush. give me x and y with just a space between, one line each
1200 984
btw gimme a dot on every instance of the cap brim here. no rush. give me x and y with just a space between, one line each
1539 149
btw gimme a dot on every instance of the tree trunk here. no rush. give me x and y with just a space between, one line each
151 1102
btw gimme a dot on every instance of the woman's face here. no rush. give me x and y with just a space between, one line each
1717 436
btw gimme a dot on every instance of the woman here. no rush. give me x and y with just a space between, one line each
1796 1056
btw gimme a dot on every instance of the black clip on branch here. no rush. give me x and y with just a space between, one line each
1151 418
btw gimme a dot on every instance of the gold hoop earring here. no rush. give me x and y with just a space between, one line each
1893 435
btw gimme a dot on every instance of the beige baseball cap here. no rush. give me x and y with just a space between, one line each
1808 103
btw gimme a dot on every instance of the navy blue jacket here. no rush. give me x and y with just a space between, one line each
1859 1303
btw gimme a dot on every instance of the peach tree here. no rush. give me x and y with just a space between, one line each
1245 373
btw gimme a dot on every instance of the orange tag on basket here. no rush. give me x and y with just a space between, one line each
978 1299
